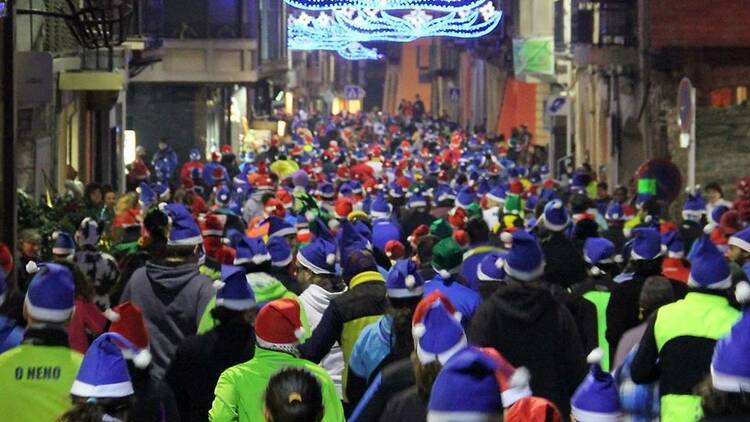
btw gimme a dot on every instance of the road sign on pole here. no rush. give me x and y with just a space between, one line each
354 92
686 102
454 94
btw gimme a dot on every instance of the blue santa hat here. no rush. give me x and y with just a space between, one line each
437 330
222 195
281 252
708 267
615 212
346 190
578 183
465 197
185 230
730 367
251 250
51 292
525 260
741 239
492 267
380 208
233 291
444 193
351 240
555 216
597 399
672 244
277 226
195 154
64 244
146 195
326 191
404 281
433 168
483 187
395 190
714 218
596 251
646 244
161 189
318 256
694 207
497 194
467 389
417 200
104 369
531 203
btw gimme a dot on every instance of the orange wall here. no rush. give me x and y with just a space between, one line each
408 78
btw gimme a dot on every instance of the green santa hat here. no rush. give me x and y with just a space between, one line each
441 228
447 257
512 204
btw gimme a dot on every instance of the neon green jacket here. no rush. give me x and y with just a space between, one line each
240 390
265 288
35 382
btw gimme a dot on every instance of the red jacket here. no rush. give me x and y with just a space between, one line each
87 323
186 173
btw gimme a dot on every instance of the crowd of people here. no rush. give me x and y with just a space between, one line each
367 268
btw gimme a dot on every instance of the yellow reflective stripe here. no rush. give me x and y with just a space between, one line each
480 249
680 408
349 335
366 277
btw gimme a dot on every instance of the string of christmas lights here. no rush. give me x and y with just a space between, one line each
353 25
438 5
347 50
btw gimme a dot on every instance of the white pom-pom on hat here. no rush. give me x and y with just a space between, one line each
55 235
218 284
458 316
142 359
619 259
418 330
31 267
445 274
310 215
557 204
596 271
595 356
162 206
520 377
500 263
742 292
410 281
330 259
506 237
112 315
299 333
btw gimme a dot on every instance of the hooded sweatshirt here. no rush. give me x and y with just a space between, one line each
315 300
172 300
530 328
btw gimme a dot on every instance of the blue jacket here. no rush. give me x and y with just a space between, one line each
472 258
11 334
170 156
208 171
372 346
465 300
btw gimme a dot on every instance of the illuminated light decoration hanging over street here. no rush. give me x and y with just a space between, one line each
439 5
345 25
347 50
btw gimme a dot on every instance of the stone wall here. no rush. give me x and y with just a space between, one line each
723 147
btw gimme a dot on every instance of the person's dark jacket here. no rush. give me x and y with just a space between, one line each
411 219
394 378
615 235
173 299
623 310
564 263
525 323
154 401
199 362
291 283
407 405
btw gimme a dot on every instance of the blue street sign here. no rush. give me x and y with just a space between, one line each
354 92
454 94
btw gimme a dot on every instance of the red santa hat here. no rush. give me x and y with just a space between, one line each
421 231
127 320
278 324
343 207
394 249
213 225
286 198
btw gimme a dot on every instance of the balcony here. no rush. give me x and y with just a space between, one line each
605 32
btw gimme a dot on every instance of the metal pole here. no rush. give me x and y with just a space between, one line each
691 150
9 213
